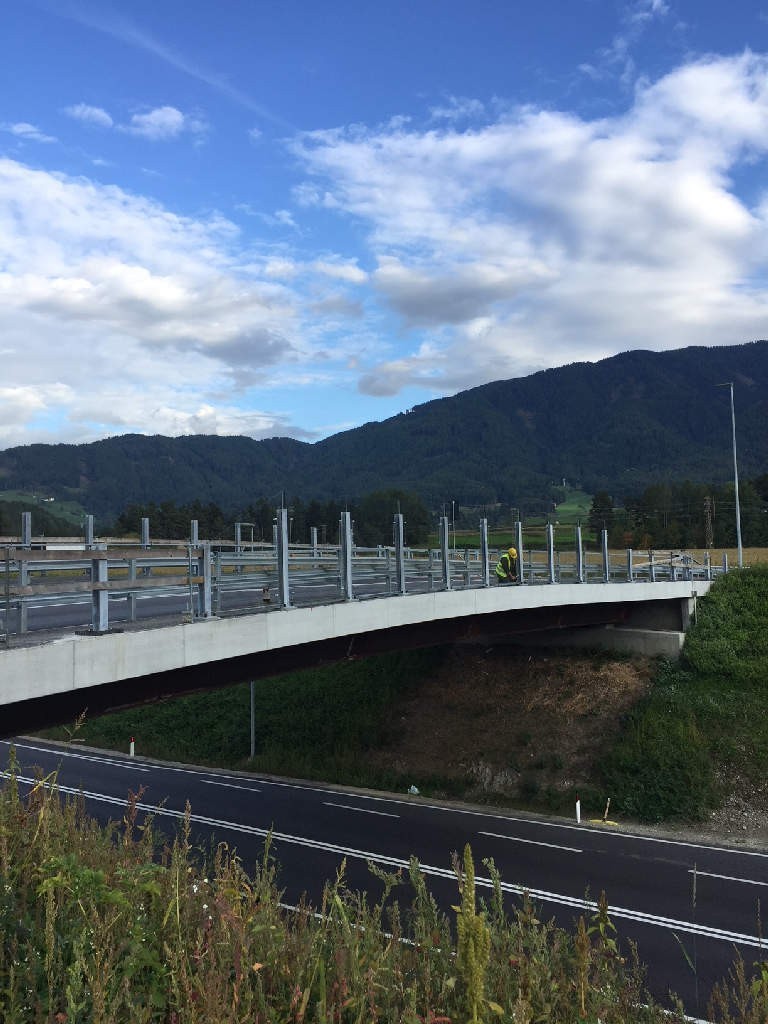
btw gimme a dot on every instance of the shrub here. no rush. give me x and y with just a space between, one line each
660 767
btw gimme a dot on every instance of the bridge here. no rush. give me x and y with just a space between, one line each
153 620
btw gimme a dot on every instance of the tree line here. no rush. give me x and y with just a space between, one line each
684 515
372 516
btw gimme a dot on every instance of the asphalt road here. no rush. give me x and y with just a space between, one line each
648 879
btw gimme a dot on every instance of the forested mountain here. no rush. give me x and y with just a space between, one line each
615 426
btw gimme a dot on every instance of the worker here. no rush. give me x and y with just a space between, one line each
506 567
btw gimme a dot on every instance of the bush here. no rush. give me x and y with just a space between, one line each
660 767
730 636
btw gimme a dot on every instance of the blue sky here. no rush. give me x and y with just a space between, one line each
290 218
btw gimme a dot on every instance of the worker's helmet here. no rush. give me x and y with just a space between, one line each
512 552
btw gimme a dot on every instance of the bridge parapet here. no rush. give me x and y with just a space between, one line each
110 581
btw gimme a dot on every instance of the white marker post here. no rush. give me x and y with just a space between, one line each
132 748
578 810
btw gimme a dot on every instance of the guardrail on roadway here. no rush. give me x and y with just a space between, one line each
100 587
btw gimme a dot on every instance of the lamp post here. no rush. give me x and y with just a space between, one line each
735 478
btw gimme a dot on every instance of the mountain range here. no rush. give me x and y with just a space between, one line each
615 425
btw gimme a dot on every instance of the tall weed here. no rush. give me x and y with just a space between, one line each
115 925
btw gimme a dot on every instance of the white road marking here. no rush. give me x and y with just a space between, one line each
461 810
362 810
578 903
726 878
533 842
83 757
229 785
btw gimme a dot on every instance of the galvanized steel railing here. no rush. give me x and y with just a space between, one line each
198 580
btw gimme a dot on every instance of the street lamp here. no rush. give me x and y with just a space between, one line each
735 478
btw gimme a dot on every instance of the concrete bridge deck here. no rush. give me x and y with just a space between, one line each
44 683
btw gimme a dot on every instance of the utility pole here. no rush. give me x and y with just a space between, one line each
709 538
740 555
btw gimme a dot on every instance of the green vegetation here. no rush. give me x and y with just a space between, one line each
316 724
48 519
705 713
118 925
684 515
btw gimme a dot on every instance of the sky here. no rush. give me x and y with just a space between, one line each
292 217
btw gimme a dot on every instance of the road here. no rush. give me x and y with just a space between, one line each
648 879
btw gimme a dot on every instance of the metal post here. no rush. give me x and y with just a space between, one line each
708 565
205 596
7 626
725 561
651 569
444 552
399 553
194 533
551 552
740 553
630 570
239 537
283 586
26 529
579 556
253 720
88 533
100 597
145 532
484 559
345 554
606 557
519 547
313 540
216 572
132 595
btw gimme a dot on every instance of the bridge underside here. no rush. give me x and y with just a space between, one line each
566 625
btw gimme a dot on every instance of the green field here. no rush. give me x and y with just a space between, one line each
572 510
71 511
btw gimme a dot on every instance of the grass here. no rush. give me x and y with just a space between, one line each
71 511
704 714
119 924
313 724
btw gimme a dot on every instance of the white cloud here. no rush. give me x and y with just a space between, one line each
90 115
337 305
342 270
101 18
164 123
29 132
458 108
637 18
542 237
117 315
